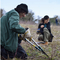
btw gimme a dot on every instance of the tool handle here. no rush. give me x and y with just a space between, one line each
39 47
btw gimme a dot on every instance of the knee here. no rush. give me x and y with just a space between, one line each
40 37
45 29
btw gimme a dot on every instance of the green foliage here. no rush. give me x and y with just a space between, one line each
1 13
52 20
28 54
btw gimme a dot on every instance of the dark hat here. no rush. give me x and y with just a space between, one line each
46 17
24 7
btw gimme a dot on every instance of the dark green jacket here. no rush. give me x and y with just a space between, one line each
9 30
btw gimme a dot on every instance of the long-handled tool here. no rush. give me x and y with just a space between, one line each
39 48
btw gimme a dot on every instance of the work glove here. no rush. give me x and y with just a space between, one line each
27 35
20 36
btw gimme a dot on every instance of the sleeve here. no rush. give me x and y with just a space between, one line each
40 29
39 26
14 24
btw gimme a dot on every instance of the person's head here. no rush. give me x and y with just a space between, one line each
45 19
22 9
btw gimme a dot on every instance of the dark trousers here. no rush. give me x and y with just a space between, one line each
20 53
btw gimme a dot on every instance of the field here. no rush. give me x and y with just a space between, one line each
53 48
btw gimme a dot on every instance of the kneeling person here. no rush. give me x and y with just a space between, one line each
10 28
44 31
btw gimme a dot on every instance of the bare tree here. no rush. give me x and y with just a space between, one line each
2 12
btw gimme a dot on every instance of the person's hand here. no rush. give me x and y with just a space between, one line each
27 35
20 36
42 26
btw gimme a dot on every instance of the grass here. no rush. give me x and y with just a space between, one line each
53 48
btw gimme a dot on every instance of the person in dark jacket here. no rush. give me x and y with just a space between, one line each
44 31
10 28
56 21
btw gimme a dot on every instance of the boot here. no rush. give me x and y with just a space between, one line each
46 43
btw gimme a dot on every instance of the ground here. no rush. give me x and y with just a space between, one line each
53 48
